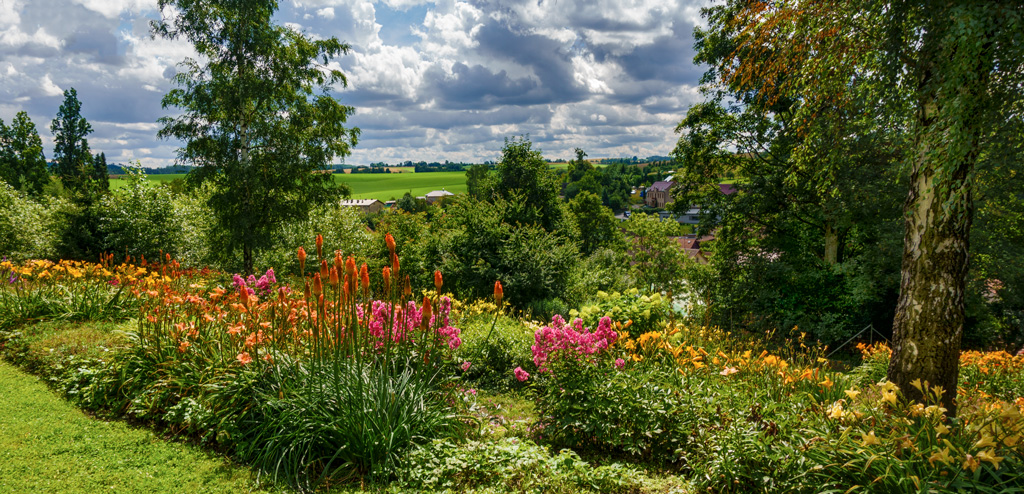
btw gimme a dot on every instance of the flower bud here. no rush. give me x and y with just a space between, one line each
318 285
324 272
438 280
499 293
390 241
319 246
386 274
425 321
334 277
364 275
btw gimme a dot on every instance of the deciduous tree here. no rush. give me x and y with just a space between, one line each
22 164
257 118
951 74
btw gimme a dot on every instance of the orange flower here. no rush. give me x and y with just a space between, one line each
408 286
305 291
364 275
499 293
438 280
244 358
394 264
302 257
390 241
334 276
319 246
324 270
318 286
426 312
386 274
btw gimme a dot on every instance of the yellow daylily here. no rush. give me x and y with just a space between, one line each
990 456
852 393
869 439
942 456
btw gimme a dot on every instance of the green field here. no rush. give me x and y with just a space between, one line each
383 186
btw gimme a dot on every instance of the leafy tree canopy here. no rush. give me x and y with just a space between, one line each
257 117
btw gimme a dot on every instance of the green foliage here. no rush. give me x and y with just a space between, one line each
140 220
348 419
524 178
28 229
476 181
339 225
597 227
70 147
658 261
22 164
595 407
252 121
647 312
513 464
476 247
493 353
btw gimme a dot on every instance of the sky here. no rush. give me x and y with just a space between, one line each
430 80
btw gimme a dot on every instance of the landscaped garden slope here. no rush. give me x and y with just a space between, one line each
48 445
343 379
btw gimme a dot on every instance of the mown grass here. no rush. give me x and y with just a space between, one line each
47 445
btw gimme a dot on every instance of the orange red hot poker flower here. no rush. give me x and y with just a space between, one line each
438 281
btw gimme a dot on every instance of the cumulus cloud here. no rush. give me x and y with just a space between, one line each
430 79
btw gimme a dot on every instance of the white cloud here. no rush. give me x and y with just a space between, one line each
326 12
112 9
48 87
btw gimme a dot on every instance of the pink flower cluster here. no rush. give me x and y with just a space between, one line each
561 337
521 375
405 320
263 285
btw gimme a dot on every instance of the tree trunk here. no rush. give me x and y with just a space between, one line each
831 245
930 313
929 318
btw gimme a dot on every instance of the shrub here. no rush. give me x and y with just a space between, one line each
512 464
139 219
491 355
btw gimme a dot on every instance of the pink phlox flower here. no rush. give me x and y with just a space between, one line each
520 374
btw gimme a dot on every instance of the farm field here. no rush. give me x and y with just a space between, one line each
383 186
386 186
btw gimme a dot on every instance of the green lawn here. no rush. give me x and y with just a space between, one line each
47 445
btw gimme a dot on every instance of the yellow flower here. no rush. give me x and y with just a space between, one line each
826 383
917 384
1011 441
986 441
971 463
942 456
889 397
869 439
990 456
852 393
835 411
941 429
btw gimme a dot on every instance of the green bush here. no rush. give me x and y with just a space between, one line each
511 464
139 219
493 355
28 229
595 407
648 312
